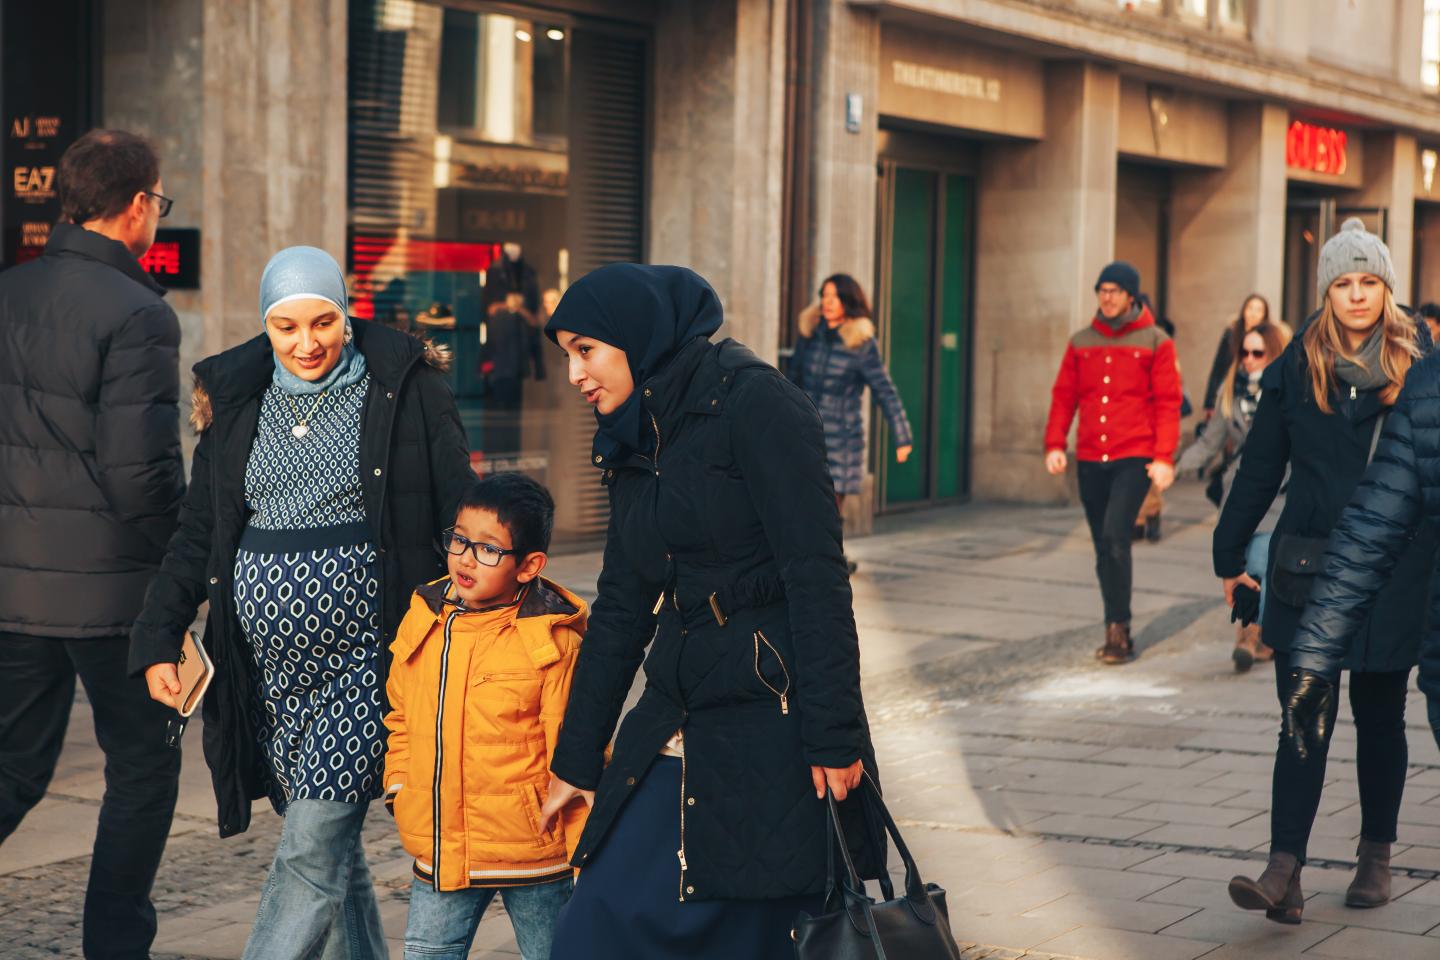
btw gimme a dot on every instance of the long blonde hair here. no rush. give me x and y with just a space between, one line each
1276 337
1324 340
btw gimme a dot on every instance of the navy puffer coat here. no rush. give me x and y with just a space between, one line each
833 367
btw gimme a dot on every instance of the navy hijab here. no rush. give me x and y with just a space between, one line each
650 313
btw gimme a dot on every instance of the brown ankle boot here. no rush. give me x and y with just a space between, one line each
1371 886
1277 892
1118 648
1244 652
1263 654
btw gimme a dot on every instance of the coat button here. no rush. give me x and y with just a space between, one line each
1103 438
1107 359
689 889
689 801
1105 458
1102 418
389 395
214 580
629 781
648 392
1107 379
377 471
1102 400
598 459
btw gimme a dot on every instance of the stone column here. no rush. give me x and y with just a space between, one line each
716 175
1045 228
1227 237
273 132
1390 160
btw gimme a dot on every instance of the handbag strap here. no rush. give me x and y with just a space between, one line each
914 885
1375 437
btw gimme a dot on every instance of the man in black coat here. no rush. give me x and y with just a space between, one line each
91 479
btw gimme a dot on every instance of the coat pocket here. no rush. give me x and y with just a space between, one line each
1297 562
771 670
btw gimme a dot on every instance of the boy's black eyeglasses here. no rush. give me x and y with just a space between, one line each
165 203
484 553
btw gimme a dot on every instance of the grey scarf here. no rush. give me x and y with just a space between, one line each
1122 321
1363 371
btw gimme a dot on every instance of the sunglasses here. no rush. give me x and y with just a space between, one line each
1257 354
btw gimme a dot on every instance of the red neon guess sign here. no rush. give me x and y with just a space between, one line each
1314 148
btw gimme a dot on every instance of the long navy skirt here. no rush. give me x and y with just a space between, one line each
627 906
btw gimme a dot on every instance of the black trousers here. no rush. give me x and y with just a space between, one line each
142 774
1377 701
1112 494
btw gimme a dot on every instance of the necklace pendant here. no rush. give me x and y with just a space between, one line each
299 430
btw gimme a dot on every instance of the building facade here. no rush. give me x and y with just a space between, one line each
973 162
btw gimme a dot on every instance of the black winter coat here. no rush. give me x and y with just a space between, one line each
1386 522
91 475
414 466
736 504
1326 456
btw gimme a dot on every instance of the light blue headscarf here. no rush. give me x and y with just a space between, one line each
308 272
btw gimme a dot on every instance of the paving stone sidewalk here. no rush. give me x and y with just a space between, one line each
1070 810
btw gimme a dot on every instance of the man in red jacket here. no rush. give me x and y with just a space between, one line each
1121 372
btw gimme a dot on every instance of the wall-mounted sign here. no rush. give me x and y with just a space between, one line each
174 259
957 84
1317 149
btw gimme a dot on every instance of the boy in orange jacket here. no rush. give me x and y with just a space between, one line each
478 686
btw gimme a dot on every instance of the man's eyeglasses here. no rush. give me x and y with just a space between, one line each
485 554
165 203
1256 354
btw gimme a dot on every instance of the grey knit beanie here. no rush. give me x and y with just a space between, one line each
1353 250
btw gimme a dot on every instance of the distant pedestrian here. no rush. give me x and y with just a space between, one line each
1322 409
91 480
1218 449
1253 312
330 460
1120 373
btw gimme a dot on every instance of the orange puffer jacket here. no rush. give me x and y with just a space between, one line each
494 683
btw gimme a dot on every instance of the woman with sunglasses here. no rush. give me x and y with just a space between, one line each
330 458
1239 396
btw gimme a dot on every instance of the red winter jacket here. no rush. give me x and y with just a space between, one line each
1126 384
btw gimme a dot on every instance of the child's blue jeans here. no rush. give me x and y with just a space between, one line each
1257 558
443 925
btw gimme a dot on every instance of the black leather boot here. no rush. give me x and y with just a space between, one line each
1277 892
1371 886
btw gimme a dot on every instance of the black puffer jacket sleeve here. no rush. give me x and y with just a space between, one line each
1263 461
450 473
1374 530
177 590
621 626
779 445
137 422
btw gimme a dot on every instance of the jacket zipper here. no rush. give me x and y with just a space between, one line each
784 695
440 752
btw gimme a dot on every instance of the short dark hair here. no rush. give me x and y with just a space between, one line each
101 172
1430 311
523 506
851 294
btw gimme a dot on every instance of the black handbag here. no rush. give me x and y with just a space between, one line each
915 926
1297 560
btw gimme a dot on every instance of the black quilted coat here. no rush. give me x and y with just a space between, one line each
1395 504
1325 455
413 465
738 503
90 471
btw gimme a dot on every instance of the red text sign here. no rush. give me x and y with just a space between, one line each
1314 148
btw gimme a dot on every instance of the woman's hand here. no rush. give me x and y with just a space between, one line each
1231 582
162 680
557 795
840 780
903 453
1162 474
1055 461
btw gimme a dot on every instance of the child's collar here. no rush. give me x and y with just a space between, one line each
452 598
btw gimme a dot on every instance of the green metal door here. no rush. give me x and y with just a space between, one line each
924 300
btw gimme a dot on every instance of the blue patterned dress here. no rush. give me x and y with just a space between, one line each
306 592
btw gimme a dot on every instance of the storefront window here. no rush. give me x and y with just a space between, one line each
1232 12
470 212
1430 47
1196 8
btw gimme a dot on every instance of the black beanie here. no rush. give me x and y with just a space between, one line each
1123 275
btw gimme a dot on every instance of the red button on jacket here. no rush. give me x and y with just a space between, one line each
1126 385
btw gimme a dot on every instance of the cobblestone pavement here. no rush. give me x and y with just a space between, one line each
1070 810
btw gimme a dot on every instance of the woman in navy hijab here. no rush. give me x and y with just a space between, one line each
708 828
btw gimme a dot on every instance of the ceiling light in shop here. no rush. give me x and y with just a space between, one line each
522 35
555 34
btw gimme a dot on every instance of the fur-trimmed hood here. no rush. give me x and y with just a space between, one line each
855 332
245 370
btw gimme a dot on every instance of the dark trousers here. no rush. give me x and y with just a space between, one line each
1112 494
37 688
1377 701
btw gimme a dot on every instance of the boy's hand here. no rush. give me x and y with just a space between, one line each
557 796
162 681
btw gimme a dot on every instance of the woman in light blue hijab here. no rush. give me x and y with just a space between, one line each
330 459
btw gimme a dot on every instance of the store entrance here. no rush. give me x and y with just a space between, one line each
923 302
1311 218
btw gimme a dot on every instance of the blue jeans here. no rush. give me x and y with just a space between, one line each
1257 559
443 925
319 900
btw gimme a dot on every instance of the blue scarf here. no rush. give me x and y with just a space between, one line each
308 272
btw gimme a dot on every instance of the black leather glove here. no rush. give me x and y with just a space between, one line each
1306 721
1246 608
